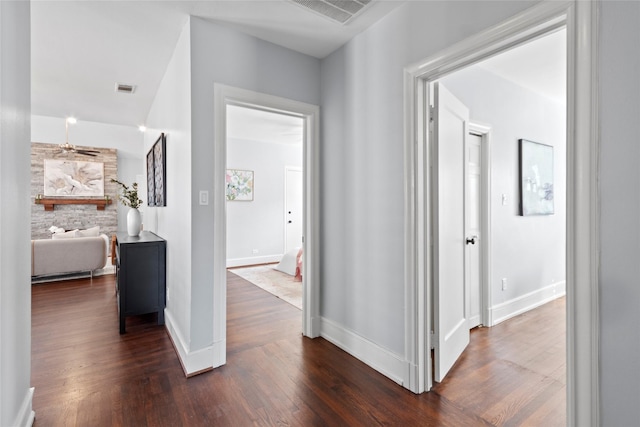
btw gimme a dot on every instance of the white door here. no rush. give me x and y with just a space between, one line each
293 209
451 331
473 155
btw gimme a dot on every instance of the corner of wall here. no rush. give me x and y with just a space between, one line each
193 362
26 416
389 364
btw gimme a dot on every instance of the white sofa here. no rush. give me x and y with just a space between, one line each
61 256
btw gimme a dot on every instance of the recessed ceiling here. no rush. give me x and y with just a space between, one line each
263 126
79 49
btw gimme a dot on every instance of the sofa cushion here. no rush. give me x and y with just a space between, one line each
89 232
67 235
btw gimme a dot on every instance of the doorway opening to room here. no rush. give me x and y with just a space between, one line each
499 191
427 190
265 194
227 98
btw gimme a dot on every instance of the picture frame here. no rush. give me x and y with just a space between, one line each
73 178
151 187
239 185
157 173
536 178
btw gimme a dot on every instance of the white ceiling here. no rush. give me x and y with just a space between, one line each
540 65
81 49
256 125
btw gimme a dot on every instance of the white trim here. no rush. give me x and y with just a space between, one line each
263 259
227 95
581 20
26 416
485 222
508 309
192 362
382 360
583 201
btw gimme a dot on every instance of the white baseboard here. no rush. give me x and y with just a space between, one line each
382 360
193 362
507 310
266 259
26 416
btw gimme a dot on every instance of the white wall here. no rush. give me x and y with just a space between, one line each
528 251
15 147
362 171
222 55
619 213
259 224
128 140
171 114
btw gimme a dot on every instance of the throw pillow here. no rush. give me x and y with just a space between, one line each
68 235
89 232
288 263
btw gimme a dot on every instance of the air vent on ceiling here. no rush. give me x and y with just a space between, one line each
122 88
341 11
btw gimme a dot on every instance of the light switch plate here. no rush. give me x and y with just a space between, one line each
204 197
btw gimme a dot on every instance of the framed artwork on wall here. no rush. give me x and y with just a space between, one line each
536 178
157 173
72 178
239 185
151 187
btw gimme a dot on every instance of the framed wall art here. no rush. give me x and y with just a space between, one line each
151 187
71 178
239 185
157 173
536 178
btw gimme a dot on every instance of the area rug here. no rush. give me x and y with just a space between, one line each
273 281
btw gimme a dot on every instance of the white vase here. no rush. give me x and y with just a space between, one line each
134 222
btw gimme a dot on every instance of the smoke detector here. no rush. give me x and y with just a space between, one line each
123 88
341 11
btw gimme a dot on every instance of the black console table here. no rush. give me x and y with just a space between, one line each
140 275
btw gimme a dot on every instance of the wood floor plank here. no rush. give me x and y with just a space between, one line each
86 374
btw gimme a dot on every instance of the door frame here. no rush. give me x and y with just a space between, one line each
284 208
227 95
484 132
581 20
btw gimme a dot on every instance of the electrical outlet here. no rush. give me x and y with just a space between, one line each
255 251
504 200
504 284
167 293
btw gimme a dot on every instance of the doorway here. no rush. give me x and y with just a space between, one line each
225 96
528 261
578 18
265 196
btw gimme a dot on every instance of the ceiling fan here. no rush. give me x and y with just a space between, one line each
70 148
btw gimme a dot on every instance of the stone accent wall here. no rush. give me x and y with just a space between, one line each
71 217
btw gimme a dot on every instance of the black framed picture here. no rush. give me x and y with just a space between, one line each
156 173
151 187
536 178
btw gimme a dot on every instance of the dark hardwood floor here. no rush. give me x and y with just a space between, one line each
86 374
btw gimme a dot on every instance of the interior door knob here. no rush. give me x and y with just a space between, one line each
472 240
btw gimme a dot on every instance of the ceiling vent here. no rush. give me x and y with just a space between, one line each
341 11
122 88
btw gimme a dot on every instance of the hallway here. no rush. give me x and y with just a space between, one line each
85 373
